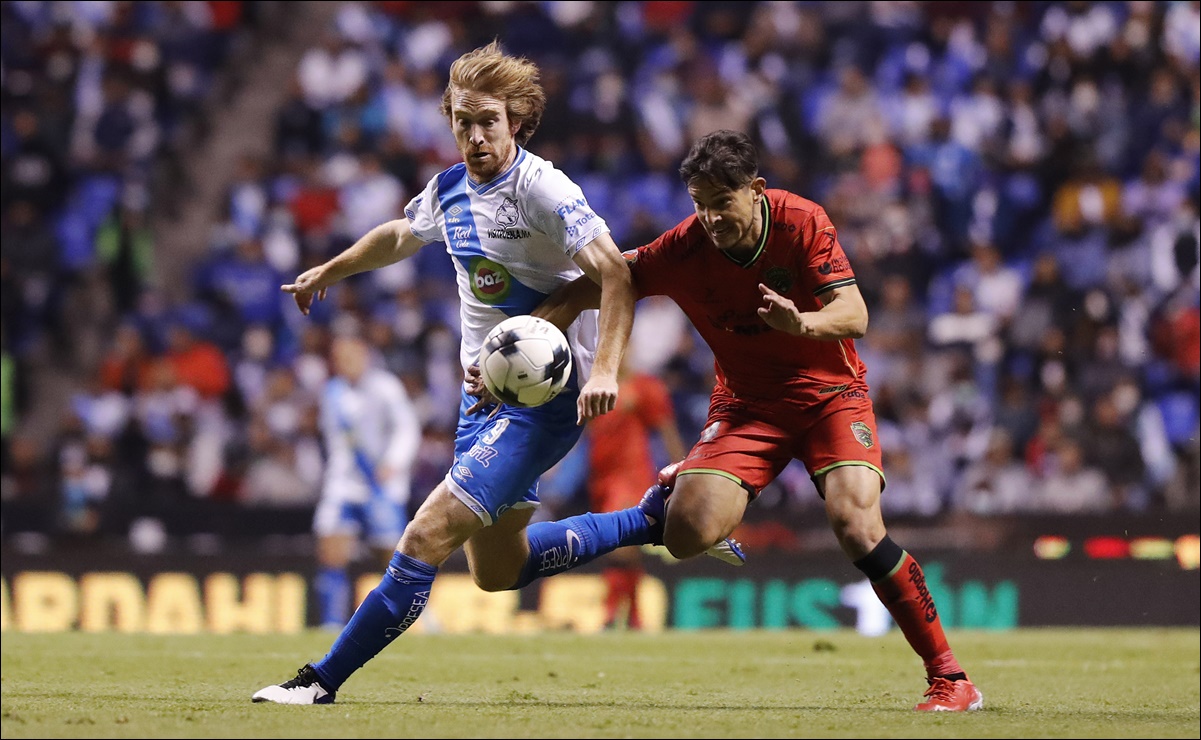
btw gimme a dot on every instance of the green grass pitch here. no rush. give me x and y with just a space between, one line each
1069 683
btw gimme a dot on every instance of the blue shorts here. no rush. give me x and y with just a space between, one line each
380 521
498 460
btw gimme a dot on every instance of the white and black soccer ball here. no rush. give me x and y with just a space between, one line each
525 361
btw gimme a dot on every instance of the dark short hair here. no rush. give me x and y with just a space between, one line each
725 158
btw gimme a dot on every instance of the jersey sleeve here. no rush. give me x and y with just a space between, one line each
556 207
420 213
653 267
825 266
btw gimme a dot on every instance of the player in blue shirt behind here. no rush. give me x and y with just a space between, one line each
372 434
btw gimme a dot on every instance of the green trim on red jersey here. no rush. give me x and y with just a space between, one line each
762 240
834 284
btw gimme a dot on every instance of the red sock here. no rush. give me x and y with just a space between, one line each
632 577
614 591
911 605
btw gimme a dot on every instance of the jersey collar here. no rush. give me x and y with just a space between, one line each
762 240
485 188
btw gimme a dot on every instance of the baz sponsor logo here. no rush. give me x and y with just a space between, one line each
462 471
831 389
863 433
778 279
490 281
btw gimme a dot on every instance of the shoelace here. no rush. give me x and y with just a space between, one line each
301 680
941 689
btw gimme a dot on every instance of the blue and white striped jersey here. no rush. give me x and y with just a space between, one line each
512 241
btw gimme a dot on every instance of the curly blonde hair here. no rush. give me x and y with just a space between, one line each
514 80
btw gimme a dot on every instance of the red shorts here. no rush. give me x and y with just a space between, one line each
752 441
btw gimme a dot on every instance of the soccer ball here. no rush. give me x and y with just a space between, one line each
525 361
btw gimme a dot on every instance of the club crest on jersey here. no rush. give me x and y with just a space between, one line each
778 279
490 281
507 214
863 433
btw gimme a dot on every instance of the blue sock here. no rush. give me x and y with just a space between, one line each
390 609
333 595
568 543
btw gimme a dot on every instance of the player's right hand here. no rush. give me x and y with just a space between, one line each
597 398
310 282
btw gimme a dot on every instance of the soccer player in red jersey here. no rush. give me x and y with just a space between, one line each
619 463
763 278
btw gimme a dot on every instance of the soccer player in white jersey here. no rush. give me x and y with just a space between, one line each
372 433
517 229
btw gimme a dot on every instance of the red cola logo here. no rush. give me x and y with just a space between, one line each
490 281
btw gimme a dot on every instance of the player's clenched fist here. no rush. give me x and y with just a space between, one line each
780 312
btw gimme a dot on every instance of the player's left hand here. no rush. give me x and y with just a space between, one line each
597 398
476 387
780 312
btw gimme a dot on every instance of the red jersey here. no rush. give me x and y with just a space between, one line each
799 257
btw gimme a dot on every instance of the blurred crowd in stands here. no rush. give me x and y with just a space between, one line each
1016 184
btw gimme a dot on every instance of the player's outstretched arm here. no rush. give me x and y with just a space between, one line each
602 262
385 244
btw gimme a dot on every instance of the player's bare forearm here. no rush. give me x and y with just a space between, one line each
616 319
563 306
844 315
384 245
603 264
387 243
841 318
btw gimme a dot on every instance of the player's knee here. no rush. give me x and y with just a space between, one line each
858 530
686 538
